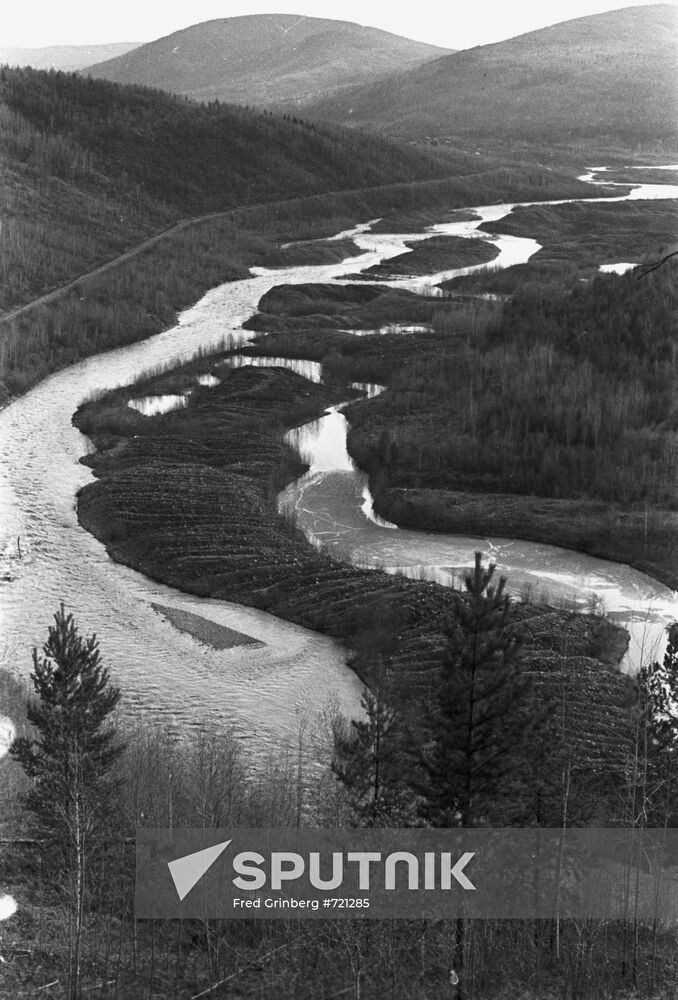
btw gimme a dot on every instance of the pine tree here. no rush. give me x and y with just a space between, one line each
70 760
370 761
485 710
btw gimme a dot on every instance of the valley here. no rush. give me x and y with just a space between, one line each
217 317
82 199
274 379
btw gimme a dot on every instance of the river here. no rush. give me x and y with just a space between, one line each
265 692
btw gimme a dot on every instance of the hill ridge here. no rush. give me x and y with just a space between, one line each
266 59
613 73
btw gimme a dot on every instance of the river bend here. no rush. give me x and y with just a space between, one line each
264 692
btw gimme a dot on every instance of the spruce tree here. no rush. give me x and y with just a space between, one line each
485 710
69 762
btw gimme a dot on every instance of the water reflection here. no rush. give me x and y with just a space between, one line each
8 907
402 329
7 734
150 406
312 370
621 268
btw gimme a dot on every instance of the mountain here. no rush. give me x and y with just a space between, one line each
611 74
266 59
66 57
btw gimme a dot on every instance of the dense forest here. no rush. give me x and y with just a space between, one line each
569 395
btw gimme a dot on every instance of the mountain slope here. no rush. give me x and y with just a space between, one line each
66 57
191 157
267 59
612 74
89 168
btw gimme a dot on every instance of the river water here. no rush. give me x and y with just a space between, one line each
266 692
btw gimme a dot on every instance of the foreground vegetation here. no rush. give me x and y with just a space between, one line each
75 934
206 781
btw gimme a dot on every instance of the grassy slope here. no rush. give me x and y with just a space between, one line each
610 74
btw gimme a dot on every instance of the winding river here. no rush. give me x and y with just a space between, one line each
269 691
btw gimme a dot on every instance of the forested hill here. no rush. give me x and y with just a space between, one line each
608 75
90 168
267 59
192 157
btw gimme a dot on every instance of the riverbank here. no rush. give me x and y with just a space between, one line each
189 498
550 420
576 239
643 539
437 253
140 294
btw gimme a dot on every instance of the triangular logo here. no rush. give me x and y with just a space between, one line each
190 869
